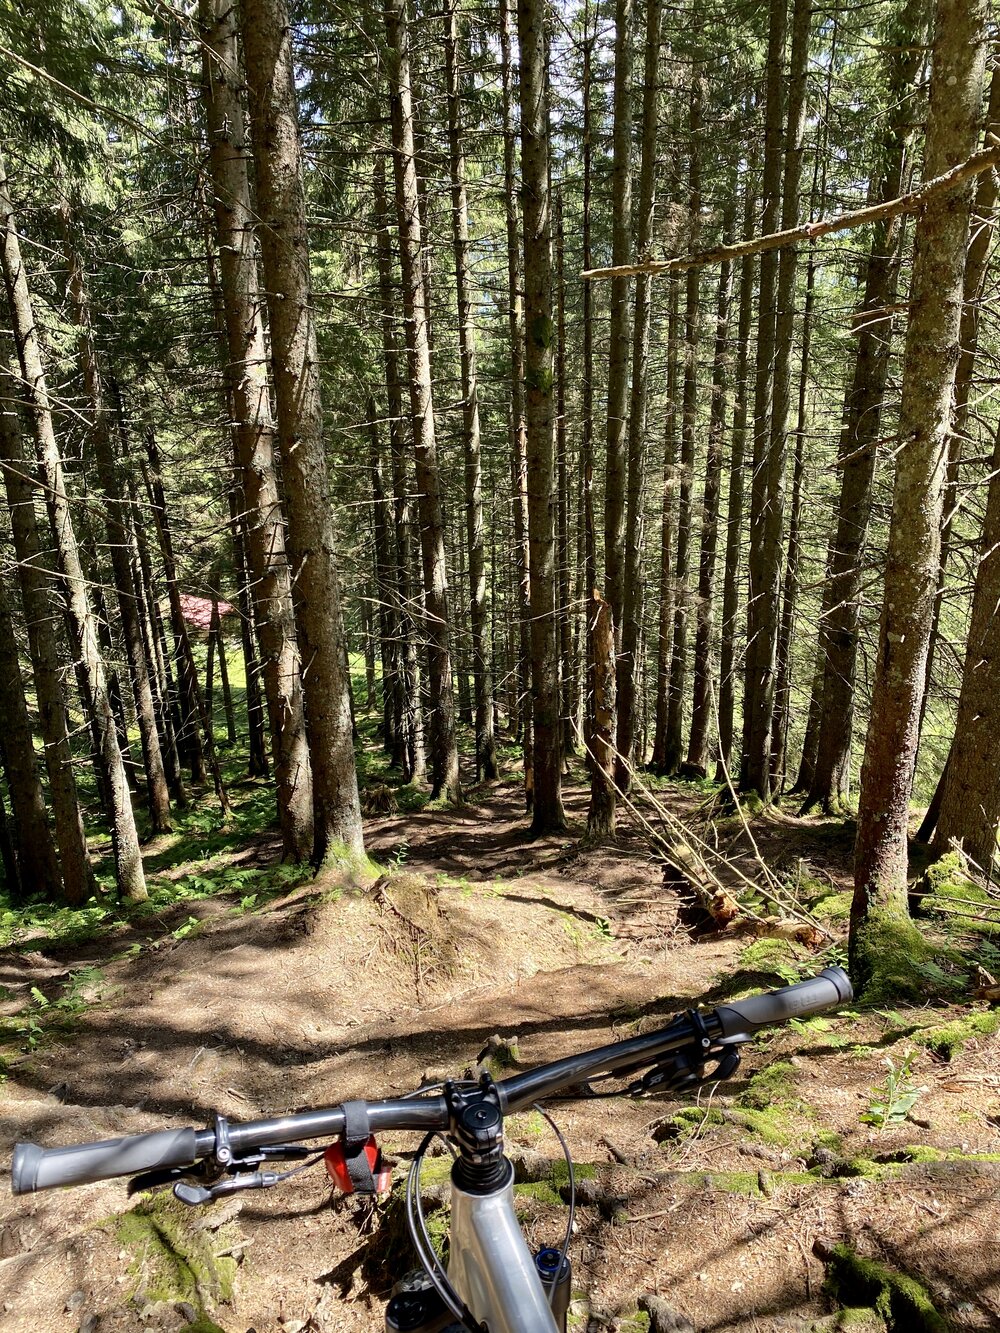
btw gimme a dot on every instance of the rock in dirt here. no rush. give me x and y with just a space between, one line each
662 1317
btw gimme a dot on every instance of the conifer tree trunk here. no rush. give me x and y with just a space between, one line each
618 340
589 544
879 917
125 841
158 795
200 722
563 610
518 428
445 778
227 694
150 622
245 365
790 590
689 426
412 756
970 802
628 665
665 620
772 429
40 613
839 626
257 765
36 854
701 708
385 593
547 809
980 248
734 504
756 755
8 856
486 758
601 814
277 153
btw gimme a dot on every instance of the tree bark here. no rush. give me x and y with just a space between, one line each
158 795
770 434
689 427
199 720
245 369
783 664
977 260
125 841
734 505
701 708
970 803
518 427
879 910
601 815
257 764
277 153
629 664
412 756
839 626
38 867
547 809
41 614
486 757
665 621
621 232
445 777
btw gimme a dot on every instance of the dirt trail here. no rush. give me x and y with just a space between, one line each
478 930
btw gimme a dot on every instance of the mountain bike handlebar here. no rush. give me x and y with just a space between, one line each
35 1168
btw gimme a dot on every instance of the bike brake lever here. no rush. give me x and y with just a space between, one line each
193 1195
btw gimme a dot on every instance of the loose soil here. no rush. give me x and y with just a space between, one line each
366 988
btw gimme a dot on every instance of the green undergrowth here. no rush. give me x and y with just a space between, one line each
771 1108
902 1303
948 883
173 1257
948 1039
897 962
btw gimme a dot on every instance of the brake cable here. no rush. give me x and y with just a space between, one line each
572 1199
419 1235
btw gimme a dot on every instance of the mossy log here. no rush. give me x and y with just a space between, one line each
857 1282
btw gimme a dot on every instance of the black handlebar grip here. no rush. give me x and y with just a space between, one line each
34 1168
830 988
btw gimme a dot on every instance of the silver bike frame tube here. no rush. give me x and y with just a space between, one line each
492 1268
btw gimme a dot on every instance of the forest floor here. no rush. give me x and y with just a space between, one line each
248 990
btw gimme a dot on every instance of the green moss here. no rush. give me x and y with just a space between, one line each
174 1262
826 1138
636 1321
901 1301
833 907
947 1040
541 1190
769 1126
858 1318
923 1152
772 956
892 960
687 1121
560 1172
774 1083
949 878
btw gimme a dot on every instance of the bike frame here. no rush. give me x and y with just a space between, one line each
491 1267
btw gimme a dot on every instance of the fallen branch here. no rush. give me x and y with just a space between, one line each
905 203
